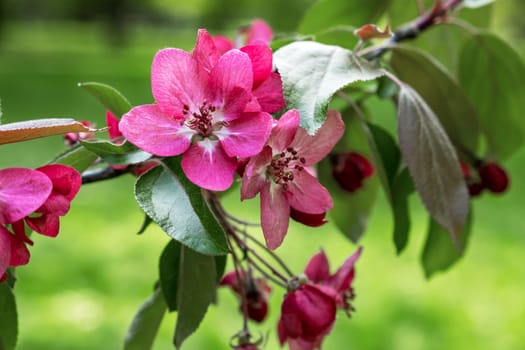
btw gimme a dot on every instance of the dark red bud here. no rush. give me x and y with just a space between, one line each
494 178
350 169
475 189
312 220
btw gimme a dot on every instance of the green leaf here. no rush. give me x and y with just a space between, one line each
169 265
77 157
178 207
491 73
476 3
325 14
8 318
145 224
145 325
312 73
432 162
402 188
125 153
1 114
196 290
442 93
37 128
110 97
439 253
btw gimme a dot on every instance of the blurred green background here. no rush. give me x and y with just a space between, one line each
81 290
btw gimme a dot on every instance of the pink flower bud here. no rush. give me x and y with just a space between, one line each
312 220
350 170
494 178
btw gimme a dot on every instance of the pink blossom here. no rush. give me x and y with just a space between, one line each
318 272
280 173
307 316
254 302
201 113
112 124
350 170
72 138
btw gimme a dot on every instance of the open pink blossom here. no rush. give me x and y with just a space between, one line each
280 173
307 316
318 271
200 112
66 184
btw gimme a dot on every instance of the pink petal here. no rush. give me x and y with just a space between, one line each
318 268
5 250
112 123
284 131
275 215
230 279
222 43
259 32
46 224
306 194
66 180
269 94
208 166
22 191
254 177
314 148
232 72
177 80
236 102
261 57
19 252
312 220
342 279
205 51
247 135
155 132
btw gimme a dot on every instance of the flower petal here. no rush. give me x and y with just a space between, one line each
46 224
112 123
259 32
246 136
233 71
208 166
269 93
155 132
222 43
66 180
254 177
205 51
22 191
341 281
5 250
318 268
19 252
284 130
177 80
275 215
261 57
306 194
314 148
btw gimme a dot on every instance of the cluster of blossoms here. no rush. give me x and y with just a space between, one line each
36 198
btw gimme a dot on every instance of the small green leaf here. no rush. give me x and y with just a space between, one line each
439 253
491 73
326 14
196 290
8 318
145 325
125 153
442 93
312 73
77 157
169 265
476 3
37 128
402 188
110 97
178 207
145 224
432 162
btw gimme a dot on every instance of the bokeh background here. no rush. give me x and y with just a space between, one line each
81 290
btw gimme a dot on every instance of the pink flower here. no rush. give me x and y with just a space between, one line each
112 123
72 138
307 316
200 112
66 184
318 272
280 173
350 170
256 292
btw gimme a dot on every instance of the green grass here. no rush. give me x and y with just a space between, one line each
81 289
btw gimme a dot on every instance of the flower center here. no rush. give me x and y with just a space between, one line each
202 120
284 165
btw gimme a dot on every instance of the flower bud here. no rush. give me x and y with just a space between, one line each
312 220
350 170
494 177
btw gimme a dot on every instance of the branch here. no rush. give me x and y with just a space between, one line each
412 30
103 174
